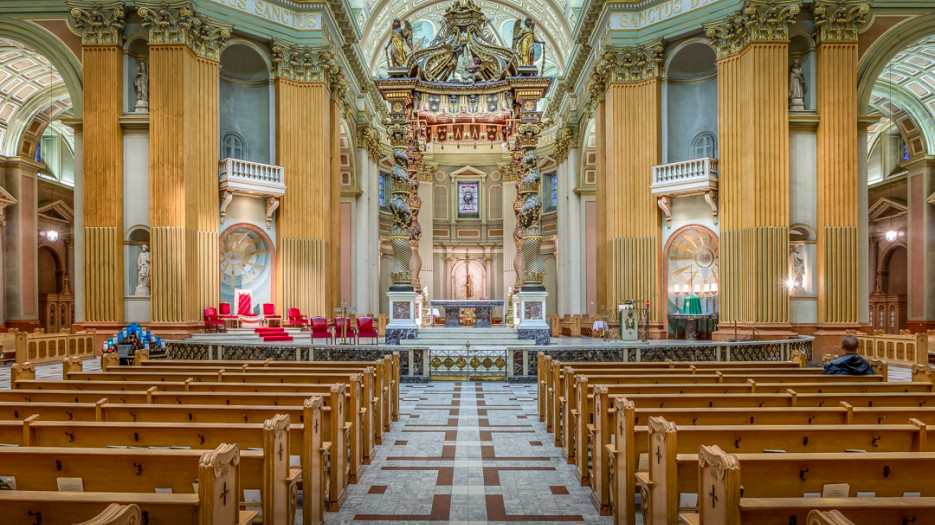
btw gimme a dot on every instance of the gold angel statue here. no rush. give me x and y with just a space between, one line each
524 41
399 47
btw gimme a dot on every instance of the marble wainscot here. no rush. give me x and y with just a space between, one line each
453 310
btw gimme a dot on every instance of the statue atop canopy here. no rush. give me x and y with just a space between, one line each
524 41
399 47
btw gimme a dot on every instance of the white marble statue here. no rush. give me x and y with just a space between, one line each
797 86
142 271
141 86
798 268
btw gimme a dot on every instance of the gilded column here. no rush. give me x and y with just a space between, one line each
101 27
184 52
836 95
630 116
529 214
752 49
306 237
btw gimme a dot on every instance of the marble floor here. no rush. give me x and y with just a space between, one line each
465 452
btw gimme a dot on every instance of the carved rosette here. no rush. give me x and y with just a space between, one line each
757 21
400 232
529 214
368 139
177 23
839 21
99 23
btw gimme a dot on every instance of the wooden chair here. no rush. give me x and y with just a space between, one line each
212 322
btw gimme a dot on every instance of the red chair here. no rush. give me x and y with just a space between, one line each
269 314
212 321
320 328
297 319
339 329
226 315
365 329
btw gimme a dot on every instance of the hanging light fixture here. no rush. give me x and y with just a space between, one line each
891 235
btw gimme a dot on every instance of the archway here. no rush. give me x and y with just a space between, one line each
888 300
692 259
247 255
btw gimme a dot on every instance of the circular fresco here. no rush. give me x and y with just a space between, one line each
245 258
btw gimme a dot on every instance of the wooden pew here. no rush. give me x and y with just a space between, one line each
777 499
216 502
830 517
267 471
306 441
673 470
629 441
116 514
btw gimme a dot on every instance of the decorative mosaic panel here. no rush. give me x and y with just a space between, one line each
465 364
400 310
533 311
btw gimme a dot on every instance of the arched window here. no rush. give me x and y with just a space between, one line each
704 145
234 146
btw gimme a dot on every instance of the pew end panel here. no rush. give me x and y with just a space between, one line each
116 514
719 487
219 486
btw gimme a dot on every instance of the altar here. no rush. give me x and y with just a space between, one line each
453 310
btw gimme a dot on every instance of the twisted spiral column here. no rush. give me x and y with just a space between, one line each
529 213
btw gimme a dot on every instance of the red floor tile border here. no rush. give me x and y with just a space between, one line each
441 511
492 474
487 435
497 512
487 452
559 489
445 474
377 489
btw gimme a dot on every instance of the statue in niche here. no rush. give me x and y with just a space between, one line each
400 46
524 41
141 86
798 268
143 263
796 86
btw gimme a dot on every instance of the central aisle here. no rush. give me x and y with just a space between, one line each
467 453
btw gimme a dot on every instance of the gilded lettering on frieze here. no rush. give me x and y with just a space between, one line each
839 21
177 23
99 23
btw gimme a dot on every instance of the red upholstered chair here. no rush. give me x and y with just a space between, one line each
269 314
226 315
212 321
320 328
297 319
365 329
339 329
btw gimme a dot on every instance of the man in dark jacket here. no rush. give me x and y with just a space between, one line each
851 363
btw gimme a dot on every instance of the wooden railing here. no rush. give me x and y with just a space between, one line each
44 348
904 349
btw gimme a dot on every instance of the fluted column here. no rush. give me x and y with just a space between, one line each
101 28
630 117
184 52
836 97
752 49
308 209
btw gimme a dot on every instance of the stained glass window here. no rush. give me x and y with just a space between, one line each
554 191
467 197
381 180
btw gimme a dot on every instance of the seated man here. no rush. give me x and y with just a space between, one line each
851 363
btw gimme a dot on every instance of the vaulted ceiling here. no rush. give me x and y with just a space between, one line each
553 25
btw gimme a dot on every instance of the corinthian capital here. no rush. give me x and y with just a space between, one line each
601 74
642 62
177 23
757 21
564 143
839 21
308 64
368 139
728 36
99 23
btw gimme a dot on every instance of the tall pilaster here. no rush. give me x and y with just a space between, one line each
304 89
752 49
630 119
184 49
366 226
101 27
836 97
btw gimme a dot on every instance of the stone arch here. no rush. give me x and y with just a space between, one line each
60 55
878 55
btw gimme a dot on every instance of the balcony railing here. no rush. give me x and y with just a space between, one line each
690 176
252 178
242 177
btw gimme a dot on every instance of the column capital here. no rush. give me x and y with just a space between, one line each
628 64
177 23
369 140
98 23
309 64
427 172
757 21
839 20
564 143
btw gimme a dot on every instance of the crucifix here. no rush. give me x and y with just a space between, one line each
224 493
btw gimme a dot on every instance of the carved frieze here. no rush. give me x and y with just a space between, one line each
178 23
99 23
839 21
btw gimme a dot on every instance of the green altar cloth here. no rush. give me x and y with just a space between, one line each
692 305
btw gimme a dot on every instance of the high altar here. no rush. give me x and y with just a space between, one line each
464 88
